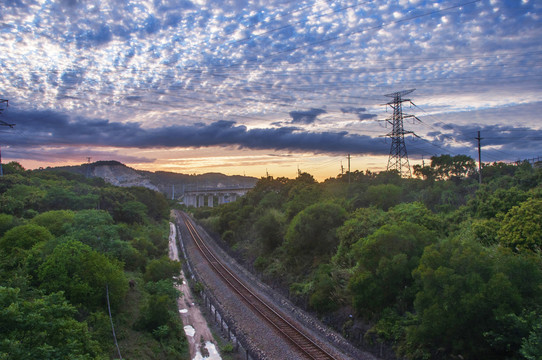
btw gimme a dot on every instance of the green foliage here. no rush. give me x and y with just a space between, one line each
21 197
270 228
531 346
12 167
132 212
60 197
111 198
42 328
82 273
416 213
383 196
488 203
321 298
441 268
155 312
56 221
302 195
59 263
447 167
485 231
522 226
24 237
156 203
466 292
158 314
6 222
312 235
161 269
363 222
387 256
162 287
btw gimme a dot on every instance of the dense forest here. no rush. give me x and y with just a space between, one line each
434 267
70 247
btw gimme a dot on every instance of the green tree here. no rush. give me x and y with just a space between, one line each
300 196
42 328
24 237
156 203
29 196
487 203
362 223
386 259
131 212
416 213
383 196
311 236
522 226
322 297
56 221
447 166
12 167
531 346
270 227
82 273
485 231
466 292
7 222
61 197
162 268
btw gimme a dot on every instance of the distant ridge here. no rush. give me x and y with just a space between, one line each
116 173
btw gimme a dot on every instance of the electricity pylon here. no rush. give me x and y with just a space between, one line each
398 159
3 123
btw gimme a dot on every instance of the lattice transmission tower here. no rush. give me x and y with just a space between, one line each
3 105
398 159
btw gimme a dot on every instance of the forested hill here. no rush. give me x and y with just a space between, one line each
119 174
69 244
435 267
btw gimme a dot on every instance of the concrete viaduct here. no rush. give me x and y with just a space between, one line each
206 197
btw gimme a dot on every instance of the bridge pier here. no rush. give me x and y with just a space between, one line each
201 198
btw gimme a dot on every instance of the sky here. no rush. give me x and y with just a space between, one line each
267 87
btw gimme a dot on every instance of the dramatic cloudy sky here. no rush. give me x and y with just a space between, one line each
245 87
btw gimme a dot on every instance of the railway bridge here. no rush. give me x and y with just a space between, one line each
207 197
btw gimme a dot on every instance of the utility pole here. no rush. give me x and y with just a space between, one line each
398 159
3 123
479 158
348 168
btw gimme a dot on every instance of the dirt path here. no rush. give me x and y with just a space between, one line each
200 339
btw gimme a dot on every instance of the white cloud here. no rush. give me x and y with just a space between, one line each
165 64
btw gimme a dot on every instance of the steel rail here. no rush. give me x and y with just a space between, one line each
287 329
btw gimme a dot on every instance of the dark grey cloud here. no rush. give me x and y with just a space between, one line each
306 117
360 112
69 153
500 142
48 128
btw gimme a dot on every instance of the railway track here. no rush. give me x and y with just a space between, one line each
306 346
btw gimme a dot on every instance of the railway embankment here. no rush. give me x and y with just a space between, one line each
255 339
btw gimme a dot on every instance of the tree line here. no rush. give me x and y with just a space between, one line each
66 242
434 267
